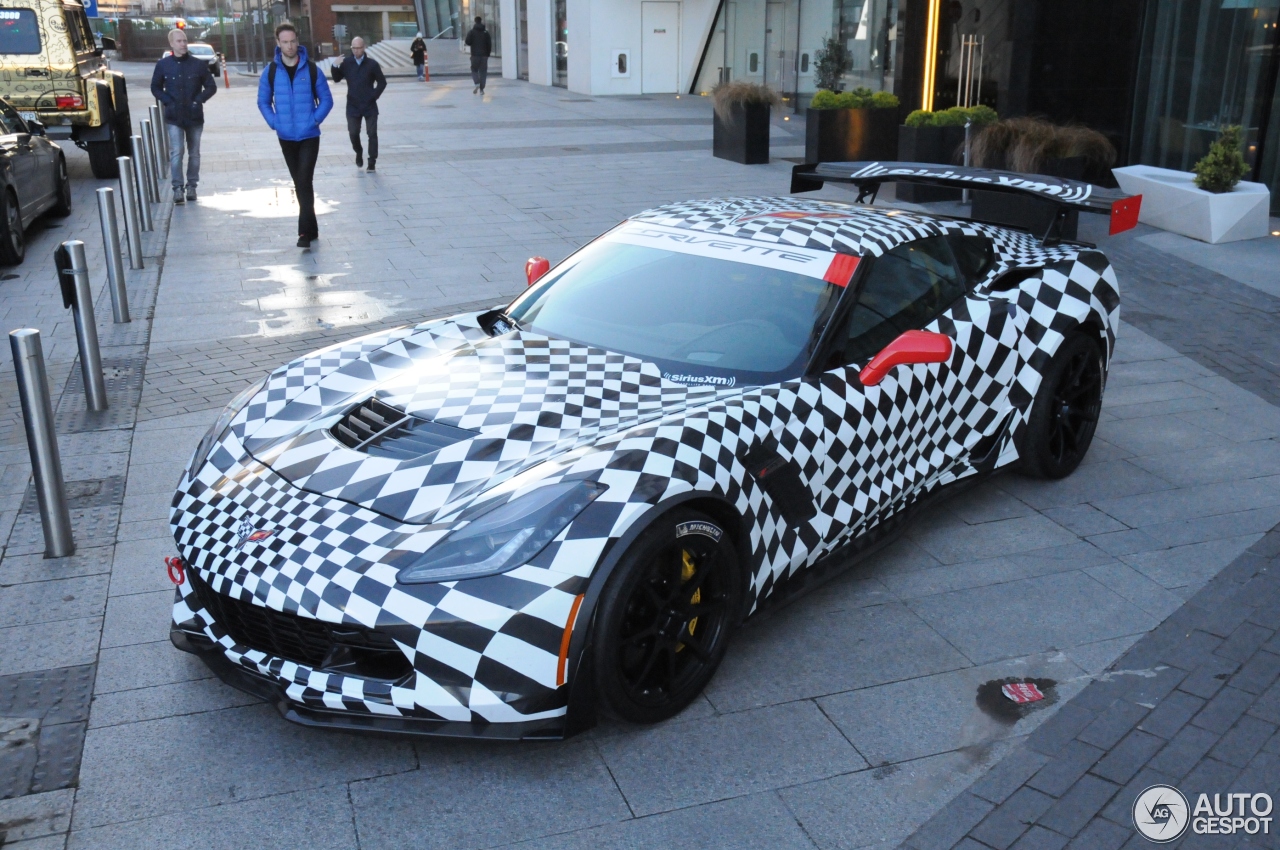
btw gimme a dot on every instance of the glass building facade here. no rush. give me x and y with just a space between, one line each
1204 66
775 41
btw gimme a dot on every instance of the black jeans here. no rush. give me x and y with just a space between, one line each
480 70
371 125
301 159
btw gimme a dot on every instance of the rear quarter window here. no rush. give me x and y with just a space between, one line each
19 31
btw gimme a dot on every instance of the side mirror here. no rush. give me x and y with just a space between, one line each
909 348
108 43
536 267
97 51
36 128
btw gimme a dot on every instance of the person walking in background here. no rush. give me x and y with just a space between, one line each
183 83
481 44
418 50
365 84
294 99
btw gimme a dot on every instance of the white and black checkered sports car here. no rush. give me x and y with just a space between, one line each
495 524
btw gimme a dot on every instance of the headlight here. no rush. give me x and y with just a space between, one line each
505 537
220 427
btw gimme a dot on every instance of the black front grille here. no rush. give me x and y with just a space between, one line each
377 428
319 645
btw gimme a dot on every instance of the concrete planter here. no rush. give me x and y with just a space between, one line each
850 135
744 137
1171 201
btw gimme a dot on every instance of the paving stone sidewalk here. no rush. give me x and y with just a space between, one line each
845 720
1195 704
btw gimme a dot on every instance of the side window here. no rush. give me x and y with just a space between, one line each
906 289
10 120
74 30
974 255
82 20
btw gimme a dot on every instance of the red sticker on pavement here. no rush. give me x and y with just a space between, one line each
840 272
1022 692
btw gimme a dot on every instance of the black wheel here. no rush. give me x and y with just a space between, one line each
63 205
13 243
102 157
666 616
1065 412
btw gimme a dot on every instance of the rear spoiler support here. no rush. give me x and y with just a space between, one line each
1067 195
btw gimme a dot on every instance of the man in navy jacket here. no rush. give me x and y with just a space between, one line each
365 84
294 98
183 83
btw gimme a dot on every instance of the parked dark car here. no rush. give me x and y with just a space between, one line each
33 181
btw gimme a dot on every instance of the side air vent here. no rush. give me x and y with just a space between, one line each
378 429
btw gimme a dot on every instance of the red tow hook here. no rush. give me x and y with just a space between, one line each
176 569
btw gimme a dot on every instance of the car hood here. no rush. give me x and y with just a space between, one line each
525 399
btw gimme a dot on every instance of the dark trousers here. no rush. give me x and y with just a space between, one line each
479 70
371 125
301 159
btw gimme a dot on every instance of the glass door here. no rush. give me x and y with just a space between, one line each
560 75
522 39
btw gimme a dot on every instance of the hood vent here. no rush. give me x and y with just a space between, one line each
376 428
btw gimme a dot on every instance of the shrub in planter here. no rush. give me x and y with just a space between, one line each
850 126
936 137
741 122
1034 146
1223 166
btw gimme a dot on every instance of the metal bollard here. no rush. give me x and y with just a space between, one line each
111 245
73 275
132 215
153 164
162 137
42 442
143 184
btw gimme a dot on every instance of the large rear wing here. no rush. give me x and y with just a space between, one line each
1066 194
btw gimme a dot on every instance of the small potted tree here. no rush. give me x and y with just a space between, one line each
851 126
740 129
937 137
1211 204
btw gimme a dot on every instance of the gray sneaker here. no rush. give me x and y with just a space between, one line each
178 197
191 193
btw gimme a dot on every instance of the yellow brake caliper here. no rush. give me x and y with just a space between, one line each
686 573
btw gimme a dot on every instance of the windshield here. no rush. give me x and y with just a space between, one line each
19 32
706 309
200 50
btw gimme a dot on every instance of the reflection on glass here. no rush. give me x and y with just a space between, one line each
775 42
1204 66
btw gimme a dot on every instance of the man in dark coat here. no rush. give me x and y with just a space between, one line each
183 83
418 51
481 44
365 84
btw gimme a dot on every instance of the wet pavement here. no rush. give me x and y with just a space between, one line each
846 719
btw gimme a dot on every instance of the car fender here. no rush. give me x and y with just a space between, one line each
102 111
582 709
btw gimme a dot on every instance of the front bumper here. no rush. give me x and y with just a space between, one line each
272 690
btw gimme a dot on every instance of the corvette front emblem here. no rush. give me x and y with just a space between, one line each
249 534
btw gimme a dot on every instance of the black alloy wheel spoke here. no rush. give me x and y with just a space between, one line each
695 646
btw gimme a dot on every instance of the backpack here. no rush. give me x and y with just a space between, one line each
311 67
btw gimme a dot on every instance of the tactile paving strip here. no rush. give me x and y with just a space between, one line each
92 493
123 378
89 527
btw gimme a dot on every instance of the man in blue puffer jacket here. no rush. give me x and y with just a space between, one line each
293 97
